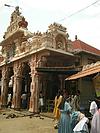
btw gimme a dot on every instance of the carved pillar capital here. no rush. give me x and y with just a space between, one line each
5 72
33 64
18 67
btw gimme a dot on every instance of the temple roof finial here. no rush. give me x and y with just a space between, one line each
17 10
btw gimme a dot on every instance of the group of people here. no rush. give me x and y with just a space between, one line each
23 100
68 117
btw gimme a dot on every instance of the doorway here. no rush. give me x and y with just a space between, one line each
25 91
52 87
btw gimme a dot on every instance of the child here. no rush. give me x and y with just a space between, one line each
9 100
41 102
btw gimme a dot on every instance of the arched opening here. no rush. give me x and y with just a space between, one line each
10 87
52 86
11 80
60 42
25 91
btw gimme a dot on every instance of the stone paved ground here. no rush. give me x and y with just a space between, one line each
12 122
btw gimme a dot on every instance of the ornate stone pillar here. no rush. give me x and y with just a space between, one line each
17 85
34 87
4 87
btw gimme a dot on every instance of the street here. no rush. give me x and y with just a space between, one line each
27 124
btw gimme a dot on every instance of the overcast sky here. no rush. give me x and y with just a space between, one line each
41 13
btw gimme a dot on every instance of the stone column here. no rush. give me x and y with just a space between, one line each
34 99
4 87
17 85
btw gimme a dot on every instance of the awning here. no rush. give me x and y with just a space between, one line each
91 70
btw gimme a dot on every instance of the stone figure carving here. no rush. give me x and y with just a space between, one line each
59 45
15 14
18 70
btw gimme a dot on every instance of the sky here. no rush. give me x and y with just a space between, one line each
78 16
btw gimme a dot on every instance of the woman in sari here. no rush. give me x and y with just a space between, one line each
56 111
65 118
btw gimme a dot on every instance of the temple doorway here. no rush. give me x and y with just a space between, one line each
52 86
25 91
11 81
10 87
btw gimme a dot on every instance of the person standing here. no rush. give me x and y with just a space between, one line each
65 118
82 125
9 102
41 102
56 111
95 123
24 100
93 108
75 103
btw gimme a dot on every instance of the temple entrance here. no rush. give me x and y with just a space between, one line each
53 84
52 87
25 92
10 87
11 80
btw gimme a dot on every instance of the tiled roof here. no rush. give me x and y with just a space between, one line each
93 68
82 46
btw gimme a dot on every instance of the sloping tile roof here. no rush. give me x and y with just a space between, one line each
90 69
82 46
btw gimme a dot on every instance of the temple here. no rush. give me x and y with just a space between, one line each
35 62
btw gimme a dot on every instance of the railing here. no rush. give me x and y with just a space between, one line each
50 105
